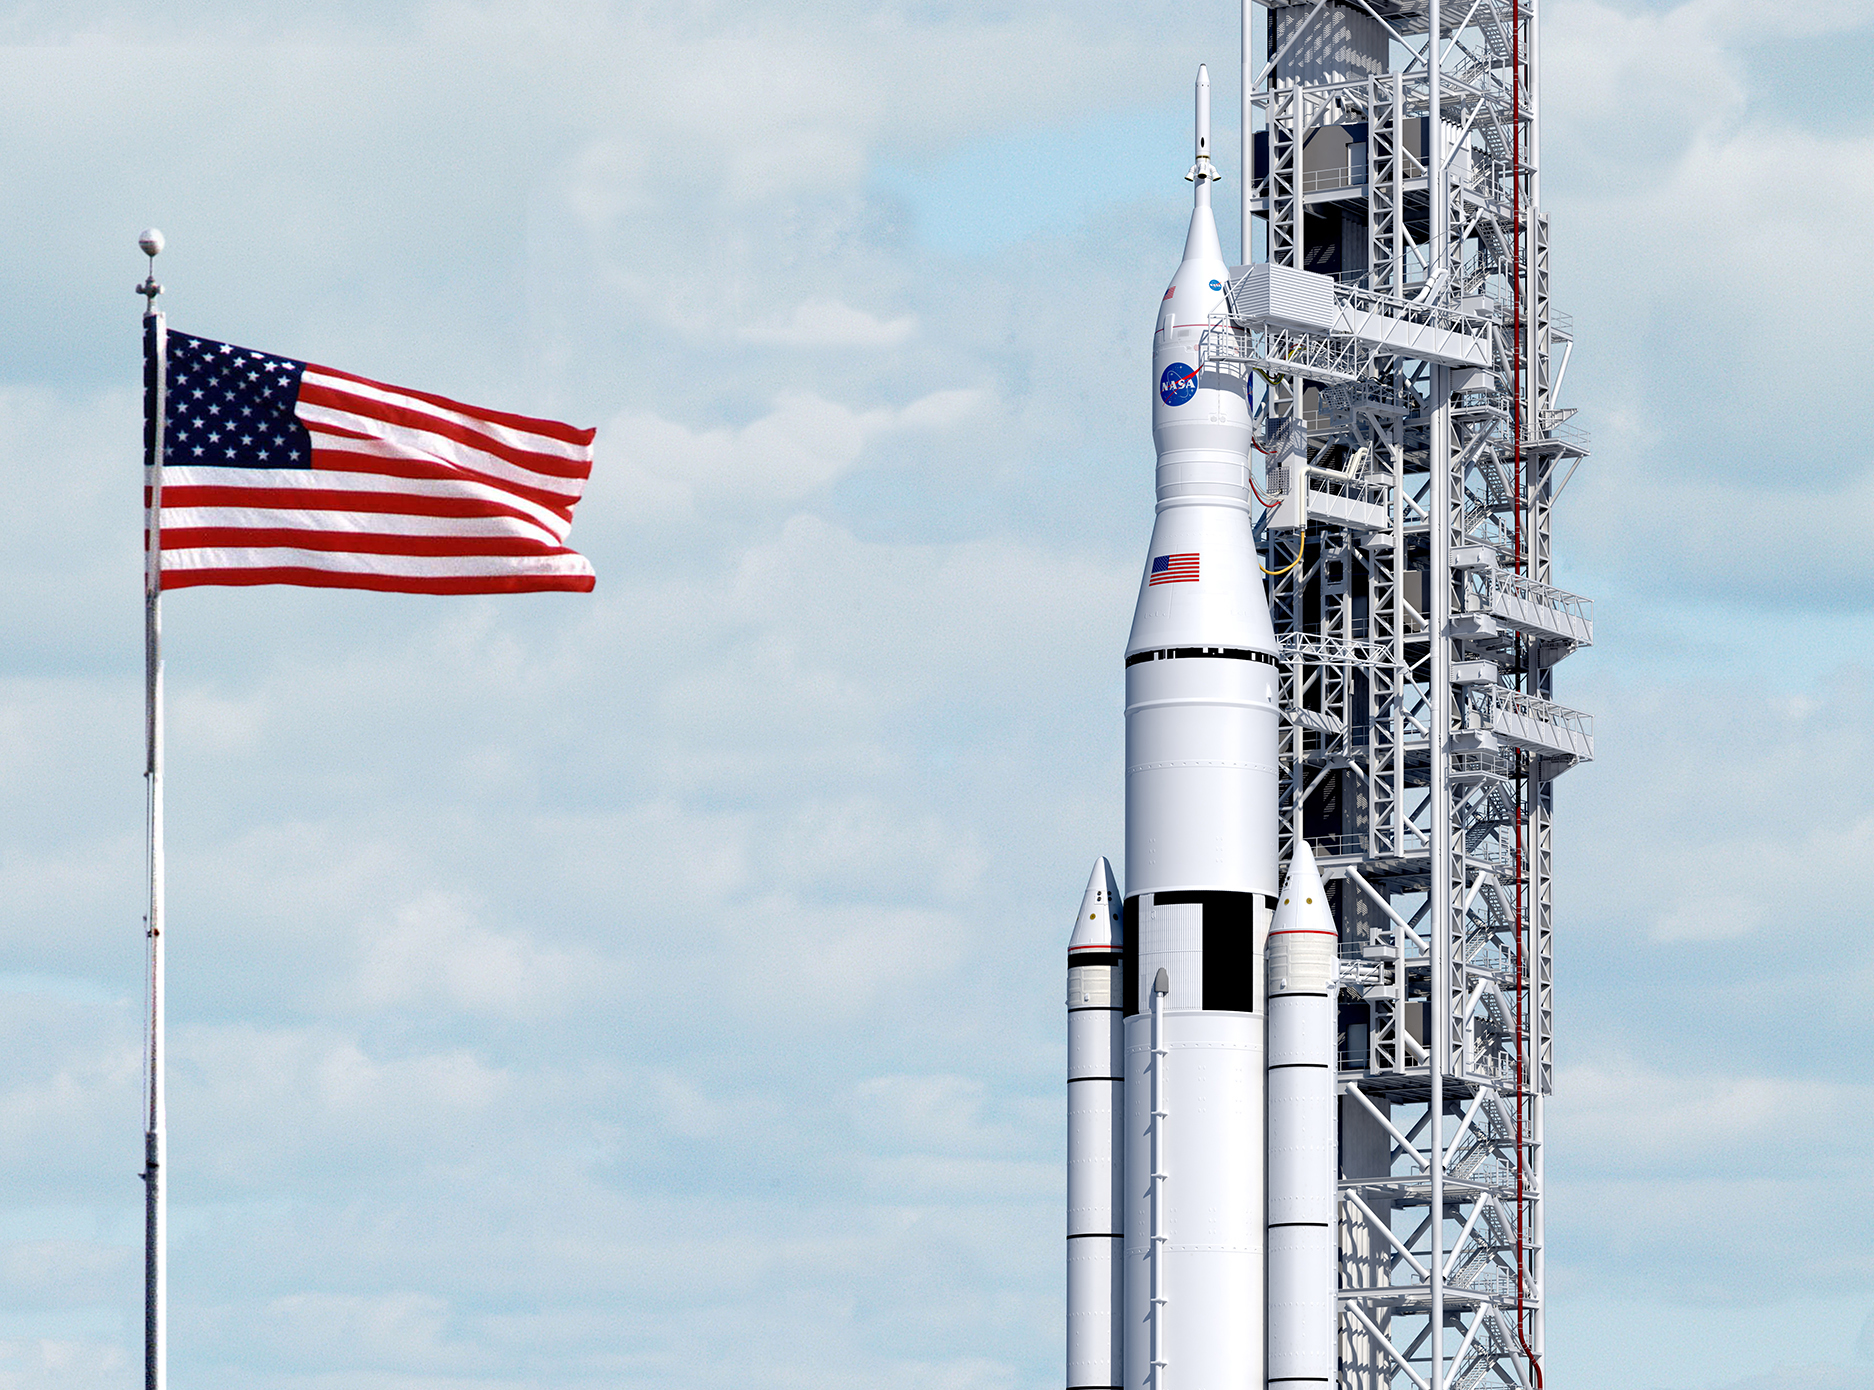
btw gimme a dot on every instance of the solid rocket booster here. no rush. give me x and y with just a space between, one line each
1095 1113
1302 1249
1201 870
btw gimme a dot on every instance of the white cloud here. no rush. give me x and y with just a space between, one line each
1639 1117
803 445
325 1331
51 1363
829 323
1758 827
434 953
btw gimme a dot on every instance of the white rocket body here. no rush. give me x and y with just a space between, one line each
1095 1112
1303 1252
1201 872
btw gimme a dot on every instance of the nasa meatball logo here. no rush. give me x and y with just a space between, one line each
1178 384
1216 285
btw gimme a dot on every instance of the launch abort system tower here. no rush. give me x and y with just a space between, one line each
1408 363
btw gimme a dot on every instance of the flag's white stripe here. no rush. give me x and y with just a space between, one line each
331 480
361 523
342 562
493 470
506 434
420 443
395 442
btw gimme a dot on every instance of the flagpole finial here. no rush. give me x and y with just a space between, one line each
151 243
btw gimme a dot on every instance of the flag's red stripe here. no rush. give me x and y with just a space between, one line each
334 500
551 429
361 407
345 461
551 465
178 495
357 542
388 583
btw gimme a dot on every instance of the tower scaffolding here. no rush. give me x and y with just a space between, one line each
1414 449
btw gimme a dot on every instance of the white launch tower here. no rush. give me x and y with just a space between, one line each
1393 319
1394 146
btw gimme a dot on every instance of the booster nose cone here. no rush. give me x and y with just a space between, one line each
1303 940
1303 905
1096 929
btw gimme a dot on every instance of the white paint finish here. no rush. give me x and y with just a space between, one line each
1201 775
1284 296
1431 342
1211 1141
1304 503
1226 605
1093 1332
1096 929
1092 1039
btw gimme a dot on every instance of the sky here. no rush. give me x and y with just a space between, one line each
662 986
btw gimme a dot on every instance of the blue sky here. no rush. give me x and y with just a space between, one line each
662 985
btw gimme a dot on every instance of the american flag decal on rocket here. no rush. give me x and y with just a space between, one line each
1174 569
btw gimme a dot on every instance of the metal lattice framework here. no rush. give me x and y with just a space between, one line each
1395 146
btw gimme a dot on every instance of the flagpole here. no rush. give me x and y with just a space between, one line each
155 1210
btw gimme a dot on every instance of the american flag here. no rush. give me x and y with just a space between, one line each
281 472
1174 569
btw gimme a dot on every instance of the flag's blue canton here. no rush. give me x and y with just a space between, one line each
232 407
1160 563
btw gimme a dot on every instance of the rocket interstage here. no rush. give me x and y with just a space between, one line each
1201 878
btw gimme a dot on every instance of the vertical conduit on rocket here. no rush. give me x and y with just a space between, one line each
1161 986
1303 946
1095 1074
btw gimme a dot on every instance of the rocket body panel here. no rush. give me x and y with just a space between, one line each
1211 1215
1095 1069
1301 1109
1094 1347
1201 793
1202 584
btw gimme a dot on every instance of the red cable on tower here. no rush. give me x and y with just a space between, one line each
1522 664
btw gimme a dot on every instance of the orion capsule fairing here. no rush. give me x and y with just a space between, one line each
1175 1278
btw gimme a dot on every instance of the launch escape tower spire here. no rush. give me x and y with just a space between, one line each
1414 446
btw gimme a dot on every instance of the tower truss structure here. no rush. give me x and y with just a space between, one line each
1415 448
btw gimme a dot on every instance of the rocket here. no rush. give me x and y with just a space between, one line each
1189 1302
